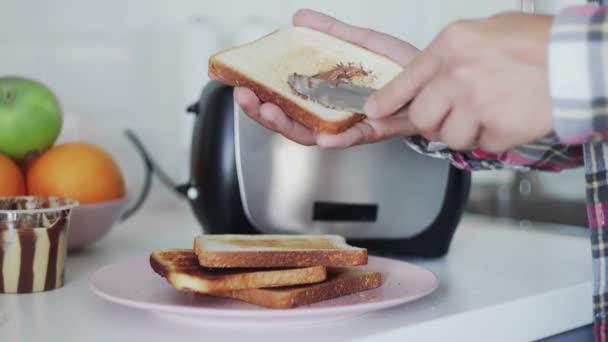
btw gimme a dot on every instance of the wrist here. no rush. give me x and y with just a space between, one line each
526 36
538 42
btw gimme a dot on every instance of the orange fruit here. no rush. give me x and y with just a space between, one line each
78 170
12 182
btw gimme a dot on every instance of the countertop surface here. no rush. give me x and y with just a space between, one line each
499 282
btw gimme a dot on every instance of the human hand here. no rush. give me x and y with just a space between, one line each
479 84
366 131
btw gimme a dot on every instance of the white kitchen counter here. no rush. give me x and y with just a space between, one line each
500 282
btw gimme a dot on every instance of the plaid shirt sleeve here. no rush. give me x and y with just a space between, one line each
579 74
545 154
578 68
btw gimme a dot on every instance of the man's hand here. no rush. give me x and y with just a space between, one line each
366 131
479 84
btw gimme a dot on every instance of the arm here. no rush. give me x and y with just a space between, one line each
545 155
487 96
578 81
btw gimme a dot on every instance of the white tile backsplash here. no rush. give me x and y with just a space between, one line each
137 64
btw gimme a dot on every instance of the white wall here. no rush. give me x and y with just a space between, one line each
137 64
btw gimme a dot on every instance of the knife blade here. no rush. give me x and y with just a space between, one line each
336 94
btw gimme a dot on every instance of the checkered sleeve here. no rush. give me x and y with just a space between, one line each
546 154
578 73
597 213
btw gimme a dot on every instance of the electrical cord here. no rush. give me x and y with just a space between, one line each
151 168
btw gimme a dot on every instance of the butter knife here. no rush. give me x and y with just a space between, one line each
336 94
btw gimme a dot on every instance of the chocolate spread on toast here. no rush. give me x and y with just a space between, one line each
342 72
339 72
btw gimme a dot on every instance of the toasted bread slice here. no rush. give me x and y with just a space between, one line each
264 66
181 269
221 251
340 282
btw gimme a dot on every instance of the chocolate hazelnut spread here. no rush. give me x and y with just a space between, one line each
342 72
33 243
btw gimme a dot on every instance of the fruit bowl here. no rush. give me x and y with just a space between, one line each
100 207
92 221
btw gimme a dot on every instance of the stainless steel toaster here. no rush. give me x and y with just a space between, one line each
386 197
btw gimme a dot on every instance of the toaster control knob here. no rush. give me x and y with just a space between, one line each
192 193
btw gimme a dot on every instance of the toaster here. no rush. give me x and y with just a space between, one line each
246 179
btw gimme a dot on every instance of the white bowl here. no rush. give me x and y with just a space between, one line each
89 222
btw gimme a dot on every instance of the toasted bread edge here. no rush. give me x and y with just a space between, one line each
262 278
225 74
306 296
157 266
346 287
271 278
248 259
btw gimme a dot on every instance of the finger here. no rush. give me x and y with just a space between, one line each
355 135
498 141
431 136
491 143
272 117
250 104
248 101
392 47
403 88
460 131
278 121
370 131
429 108
398 125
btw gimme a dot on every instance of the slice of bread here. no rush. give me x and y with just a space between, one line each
227 250
340 282
181 269
264 66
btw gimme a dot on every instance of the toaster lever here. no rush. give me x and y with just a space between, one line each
193 108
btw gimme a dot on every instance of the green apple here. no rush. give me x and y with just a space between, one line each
30 117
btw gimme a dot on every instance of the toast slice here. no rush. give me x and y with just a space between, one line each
340 282
220 251
264 66
181 269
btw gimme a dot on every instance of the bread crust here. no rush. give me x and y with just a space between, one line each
262 259
339 283
225 74
181 269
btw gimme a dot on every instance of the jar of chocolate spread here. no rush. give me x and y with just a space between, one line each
33 242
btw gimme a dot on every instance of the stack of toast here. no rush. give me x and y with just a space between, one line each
273 271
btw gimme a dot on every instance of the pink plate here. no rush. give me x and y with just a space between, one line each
133 283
